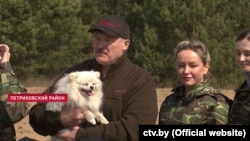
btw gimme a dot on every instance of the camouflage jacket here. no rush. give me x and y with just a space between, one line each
240 111
10 112
203 105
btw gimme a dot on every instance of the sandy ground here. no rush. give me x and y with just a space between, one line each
26 133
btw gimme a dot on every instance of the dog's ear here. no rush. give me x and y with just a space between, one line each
97 74
73 76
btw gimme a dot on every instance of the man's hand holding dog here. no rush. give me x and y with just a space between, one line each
68 136
71 116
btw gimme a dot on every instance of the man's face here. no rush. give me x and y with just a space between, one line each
108 49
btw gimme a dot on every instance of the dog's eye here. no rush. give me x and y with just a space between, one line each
84 84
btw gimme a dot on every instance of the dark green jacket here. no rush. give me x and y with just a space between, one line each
240 111
129 100
203 105
10 112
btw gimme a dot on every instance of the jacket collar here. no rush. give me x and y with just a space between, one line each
243 87
198 90
113 68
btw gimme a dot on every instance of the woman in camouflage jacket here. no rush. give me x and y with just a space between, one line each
194 102
240 111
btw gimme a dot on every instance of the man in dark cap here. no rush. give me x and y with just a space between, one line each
129 91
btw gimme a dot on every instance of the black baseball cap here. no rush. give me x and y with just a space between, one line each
113 25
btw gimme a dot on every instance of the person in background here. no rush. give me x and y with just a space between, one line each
240 111
129 91
10 113
194 101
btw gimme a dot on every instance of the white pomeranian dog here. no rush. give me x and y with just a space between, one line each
84 89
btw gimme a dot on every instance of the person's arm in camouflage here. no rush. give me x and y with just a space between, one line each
10 84
222 108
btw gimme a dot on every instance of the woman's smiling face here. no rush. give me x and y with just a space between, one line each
242 54
190 68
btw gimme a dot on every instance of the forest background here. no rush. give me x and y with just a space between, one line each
47 36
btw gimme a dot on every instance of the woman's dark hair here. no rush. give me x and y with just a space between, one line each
244 35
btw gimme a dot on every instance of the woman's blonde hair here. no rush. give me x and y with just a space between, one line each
196 46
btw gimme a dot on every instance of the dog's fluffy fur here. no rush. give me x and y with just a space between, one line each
84 88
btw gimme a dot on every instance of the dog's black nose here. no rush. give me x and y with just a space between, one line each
91 87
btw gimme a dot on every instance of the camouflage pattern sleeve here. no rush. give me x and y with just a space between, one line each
10 84
203 105
240 110
217 106
10 112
